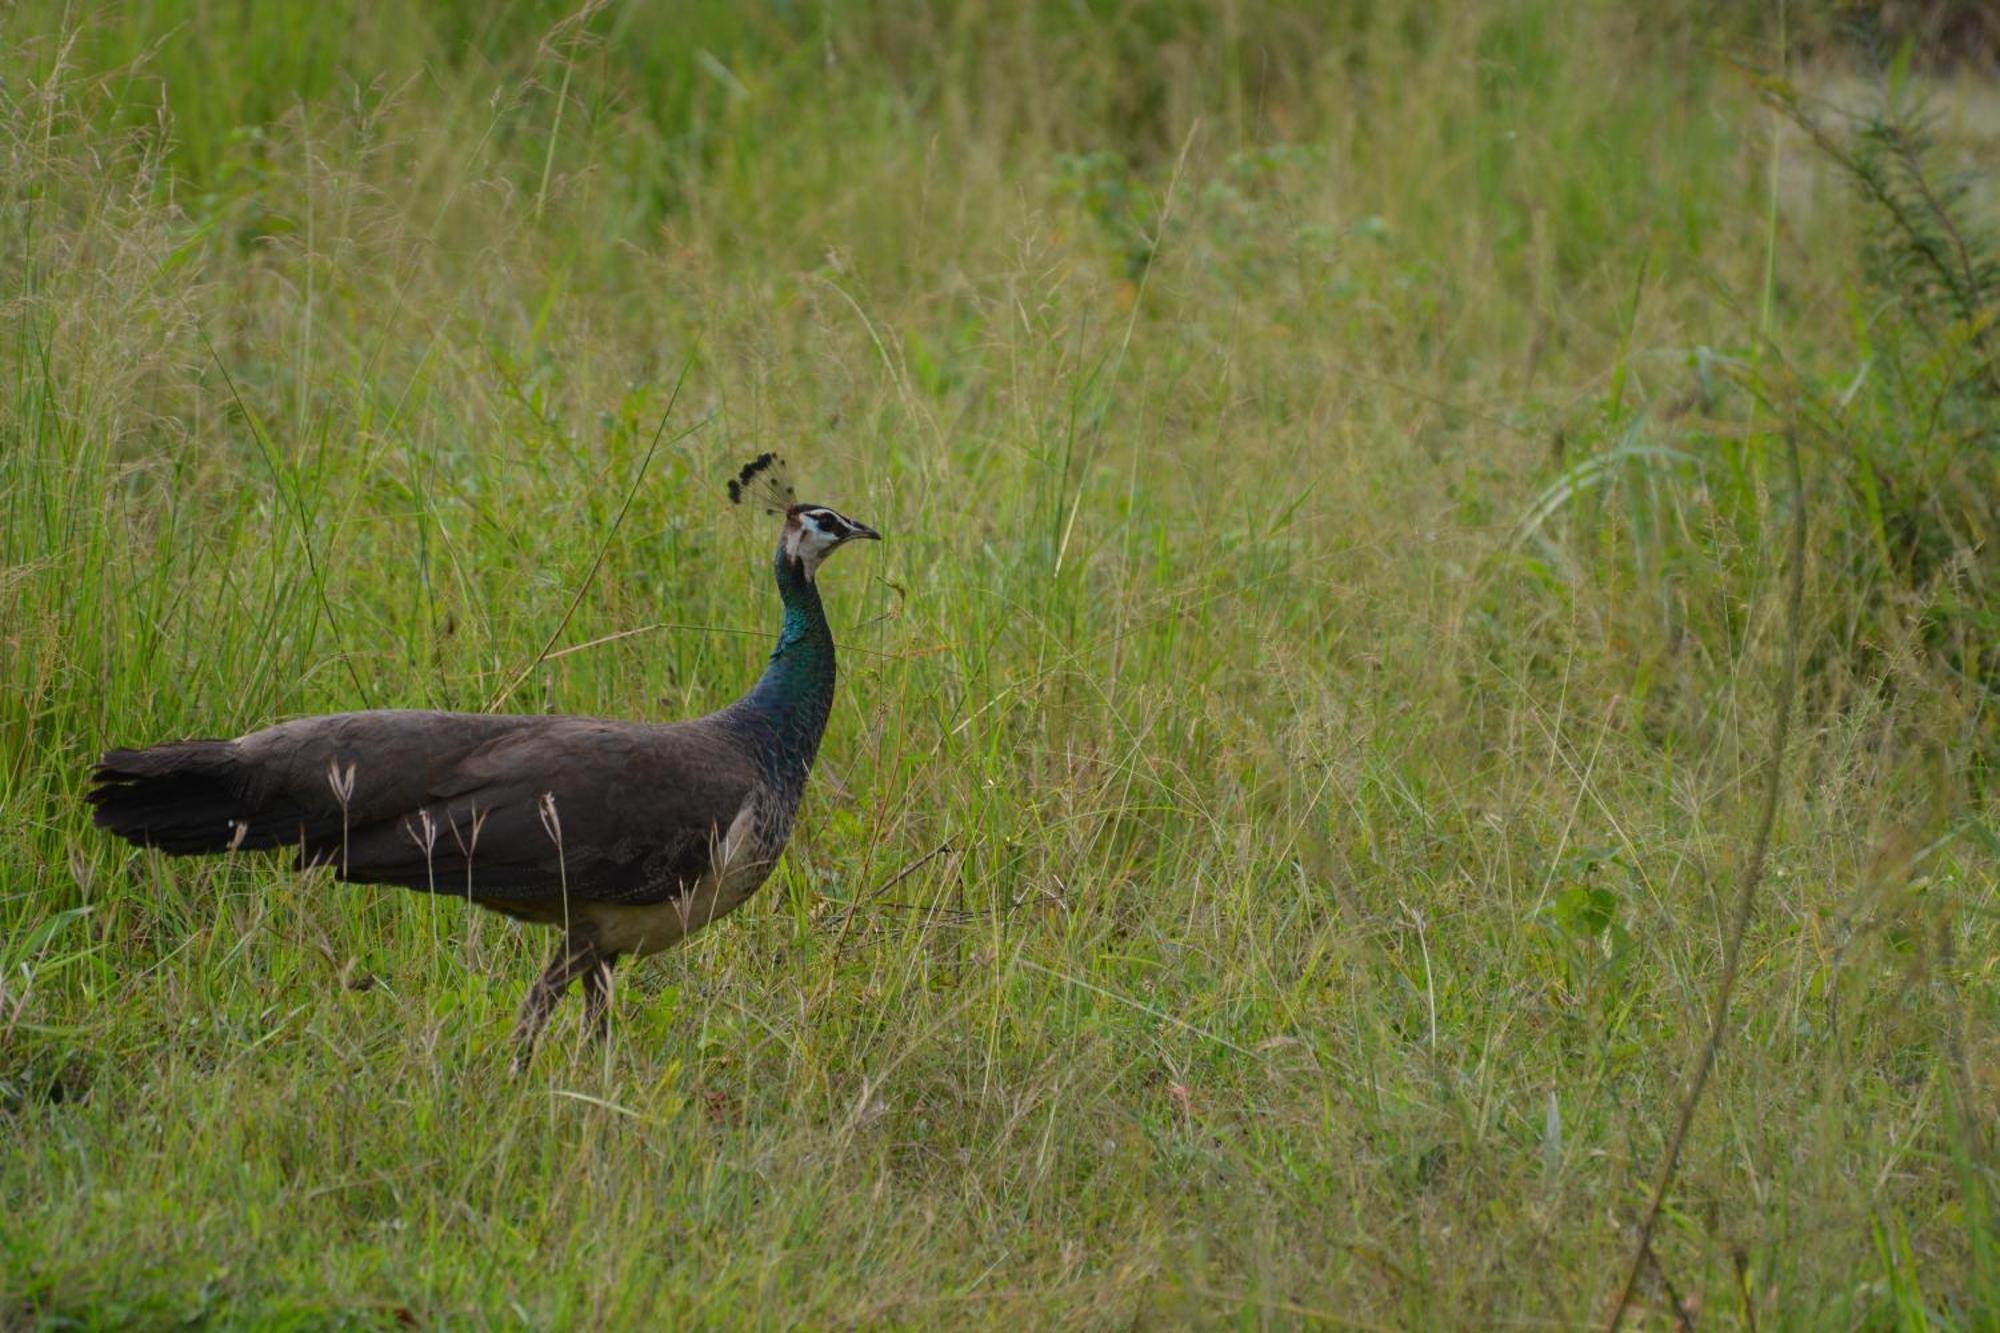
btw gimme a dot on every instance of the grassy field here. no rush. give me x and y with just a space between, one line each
1297 748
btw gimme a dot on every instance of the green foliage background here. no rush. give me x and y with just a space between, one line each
1269 860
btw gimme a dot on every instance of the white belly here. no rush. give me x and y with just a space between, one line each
645 929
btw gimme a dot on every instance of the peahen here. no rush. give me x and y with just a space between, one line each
628 836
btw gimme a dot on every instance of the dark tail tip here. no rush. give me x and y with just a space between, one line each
179 797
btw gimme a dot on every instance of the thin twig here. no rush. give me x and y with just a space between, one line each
847 917
605 545
1682 1323
1746 892
622 634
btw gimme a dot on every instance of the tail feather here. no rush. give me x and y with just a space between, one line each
186 798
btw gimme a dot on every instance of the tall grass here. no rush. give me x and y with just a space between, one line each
1269 860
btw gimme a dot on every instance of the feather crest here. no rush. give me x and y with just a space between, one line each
763 482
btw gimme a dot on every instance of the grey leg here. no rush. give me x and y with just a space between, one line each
576 958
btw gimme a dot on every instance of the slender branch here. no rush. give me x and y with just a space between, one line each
1746 892
617 521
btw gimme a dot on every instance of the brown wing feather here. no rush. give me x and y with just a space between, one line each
519 808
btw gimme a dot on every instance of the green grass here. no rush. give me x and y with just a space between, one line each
1269 860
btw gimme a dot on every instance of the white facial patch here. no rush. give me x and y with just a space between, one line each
814 533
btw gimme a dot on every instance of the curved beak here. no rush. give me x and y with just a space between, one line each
862 532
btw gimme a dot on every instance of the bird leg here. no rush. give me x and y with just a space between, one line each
597 997
575 958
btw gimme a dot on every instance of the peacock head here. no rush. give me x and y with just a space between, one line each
812 532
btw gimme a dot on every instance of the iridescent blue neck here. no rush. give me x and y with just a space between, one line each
785 712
